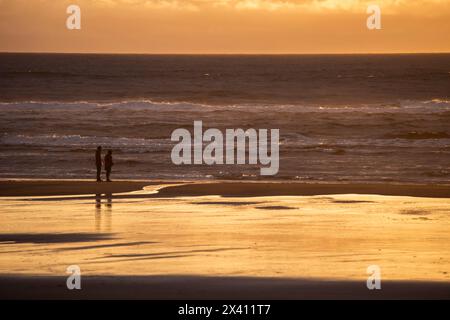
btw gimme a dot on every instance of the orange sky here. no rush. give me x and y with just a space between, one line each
225 26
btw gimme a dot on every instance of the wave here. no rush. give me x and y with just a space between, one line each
40 73
418 135
79 142
340 145
428 106
437 173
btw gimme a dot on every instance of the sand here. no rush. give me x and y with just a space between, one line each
225 188
210 288
258 189
223 240
66 187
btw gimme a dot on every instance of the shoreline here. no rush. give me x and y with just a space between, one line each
41 187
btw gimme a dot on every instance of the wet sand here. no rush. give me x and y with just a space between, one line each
225 188
10 188
224 240
259 189
210 288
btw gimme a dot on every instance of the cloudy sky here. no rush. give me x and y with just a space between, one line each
225 26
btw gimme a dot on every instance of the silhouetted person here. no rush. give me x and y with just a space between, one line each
108 164
98 162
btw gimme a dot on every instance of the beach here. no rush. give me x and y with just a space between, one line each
225 150
66 187
223 239
30 187
359 147
213 288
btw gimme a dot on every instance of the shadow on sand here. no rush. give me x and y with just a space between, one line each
53 237
186 287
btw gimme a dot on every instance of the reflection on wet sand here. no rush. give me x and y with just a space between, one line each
333 237
103 213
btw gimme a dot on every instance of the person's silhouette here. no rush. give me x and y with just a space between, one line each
108 164
98 162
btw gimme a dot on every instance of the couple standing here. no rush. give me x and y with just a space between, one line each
108 163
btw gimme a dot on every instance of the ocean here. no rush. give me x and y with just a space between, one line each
365 118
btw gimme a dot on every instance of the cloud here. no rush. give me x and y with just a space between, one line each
311 6
391 6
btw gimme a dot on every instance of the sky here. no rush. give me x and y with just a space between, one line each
225 26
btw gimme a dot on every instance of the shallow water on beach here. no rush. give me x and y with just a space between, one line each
335 236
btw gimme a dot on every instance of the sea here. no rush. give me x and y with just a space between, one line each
354 118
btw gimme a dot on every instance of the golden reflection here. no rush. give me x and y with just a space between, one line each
103 212
333 236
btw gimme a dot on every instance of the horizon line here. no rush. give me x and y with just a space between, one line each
223 53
